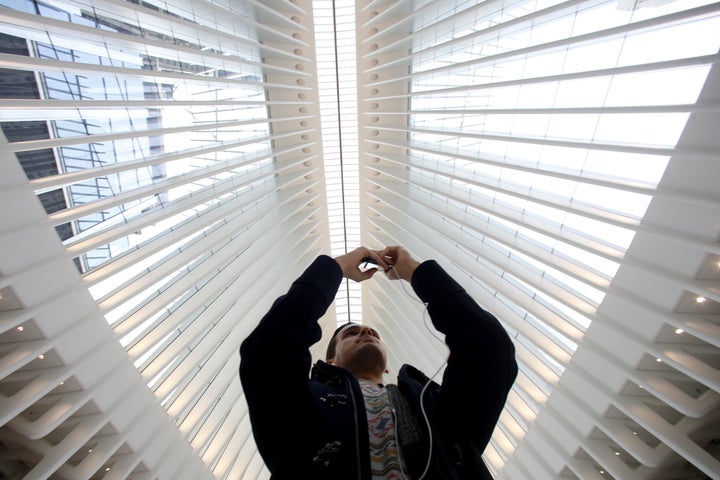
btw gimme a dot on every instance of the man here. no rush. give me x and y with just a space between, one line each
344 422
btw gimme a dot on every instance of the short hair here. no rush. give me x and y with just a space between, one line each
330 353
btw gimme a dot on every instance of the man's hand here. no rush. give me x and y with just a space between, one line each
403 265
350 262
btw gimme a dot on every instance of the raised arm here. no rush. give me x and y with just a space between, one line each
275 359
481 366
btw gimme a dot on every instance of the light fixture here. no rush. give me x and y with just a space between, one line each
679 331
700 299
90 450
20 328
659 360
617 453
41 356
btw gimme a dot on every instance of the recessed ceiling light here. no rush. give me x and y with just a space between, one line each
701 299
679 331
659 360
41 356
20 328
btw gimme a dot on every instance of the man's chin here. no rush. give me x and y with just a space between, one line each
369 345
371 351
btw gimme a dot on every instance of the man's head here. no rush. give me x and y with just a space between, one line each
359 349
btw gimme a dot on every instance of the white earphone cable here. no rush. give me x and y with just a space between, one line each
429 381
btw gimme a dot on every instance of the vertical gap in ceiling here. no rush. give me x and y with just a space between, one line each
337 92
340 136
340 152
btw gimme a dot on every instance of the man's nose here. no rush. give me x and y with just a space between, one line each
366 331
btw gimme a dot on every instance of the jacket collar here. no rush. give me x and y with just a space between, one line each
329 374
333 375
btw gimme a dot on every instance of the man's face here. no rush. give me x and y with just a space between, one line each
359 348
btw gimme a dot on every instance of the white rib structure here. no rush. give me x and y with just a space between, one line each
168 168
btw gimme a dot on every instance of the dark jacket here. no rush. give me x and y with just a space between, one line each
316 428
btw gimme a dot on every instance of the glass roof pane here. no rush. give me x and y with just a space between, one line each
338 93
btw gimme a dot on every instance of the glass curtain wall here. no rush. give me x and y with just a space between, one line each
144 129
109 97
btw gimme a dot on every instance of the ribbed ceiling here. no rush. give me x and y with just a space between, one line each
171 167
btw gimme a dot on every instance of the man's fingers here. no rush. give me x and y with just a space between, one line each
361 275
374 257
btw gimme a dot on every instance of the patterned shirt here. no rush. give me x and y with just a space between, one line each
385 460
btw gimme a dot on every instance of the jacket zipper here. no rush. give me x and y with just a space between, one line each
357 430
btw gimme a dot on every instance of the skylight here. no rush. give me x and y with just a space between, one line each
337 91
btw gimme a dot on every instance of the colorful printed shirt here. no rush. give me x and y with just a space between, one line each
385 459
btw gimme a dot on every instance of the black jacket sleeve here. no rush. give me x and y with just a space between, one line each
275 363
481 367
